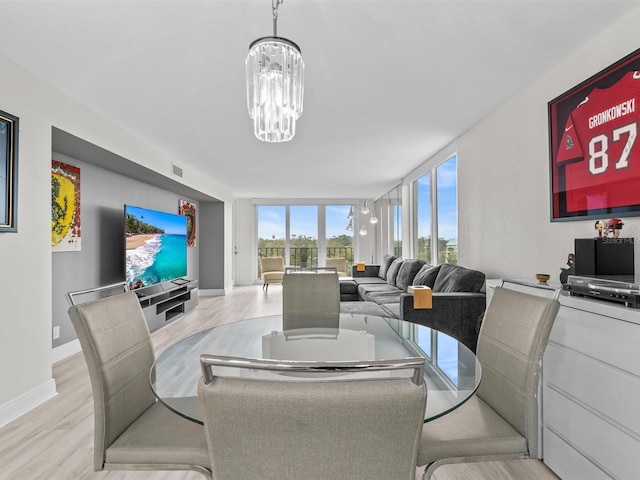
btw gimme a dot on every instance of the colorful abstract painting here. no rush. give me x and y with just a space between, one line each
65 207
188 209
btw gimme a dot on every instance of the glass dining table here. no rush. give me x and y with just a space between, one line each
452 372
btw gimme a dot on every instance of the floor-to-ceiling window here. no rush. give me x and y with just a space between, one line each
447 207
272 231
422 217
436 214
396 213
303 235
339 239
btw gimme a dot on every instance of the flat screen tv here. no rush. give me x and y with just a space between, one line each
155 245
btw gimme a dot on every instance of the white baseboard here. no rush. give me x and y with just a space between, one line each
65 350
27 401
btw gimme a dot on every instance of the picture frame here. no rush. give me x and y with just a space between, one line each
594 149
9 128
188 210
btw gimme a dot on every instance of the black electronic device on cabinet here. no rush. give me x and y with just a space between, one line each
604 256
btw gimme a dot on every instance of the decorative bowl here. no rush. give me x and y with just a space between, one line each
543 277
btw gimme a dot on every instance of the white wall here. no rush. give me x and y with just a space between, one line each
503 168
25 257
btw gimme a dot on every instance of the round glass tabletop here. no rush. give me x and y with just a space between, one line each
452 372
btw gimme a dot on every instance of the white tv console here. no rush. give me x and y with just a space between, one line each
161 303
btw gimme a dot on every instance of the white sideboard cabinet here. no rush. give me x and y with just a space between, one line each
591 391
590 394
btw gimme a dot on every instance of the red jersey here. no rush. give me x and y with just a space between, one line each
598 148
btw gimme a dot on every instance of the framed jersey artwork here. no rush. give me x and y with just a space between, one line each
593 145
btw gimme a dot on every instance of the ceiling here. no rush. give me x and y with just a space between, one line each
388 83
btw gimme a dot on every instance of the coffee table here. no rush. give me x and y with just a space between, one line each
452 372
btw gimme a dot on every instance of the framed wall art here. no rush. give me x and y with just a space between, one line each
188 209
8 172
65 207
594 148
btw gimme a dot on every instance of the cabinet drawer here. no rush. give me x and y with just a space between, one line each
606 390
610 340
566 462
611 449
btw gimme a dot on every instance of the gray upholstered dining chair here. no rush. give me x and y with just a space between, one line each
501 420
131 430
335 428
310 300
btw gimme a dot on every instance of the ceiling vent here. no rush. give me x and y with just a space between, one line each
177 171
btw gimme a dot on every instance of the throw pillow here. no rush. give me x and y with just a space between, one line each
453 278
392 271
427 275
384 265
407 273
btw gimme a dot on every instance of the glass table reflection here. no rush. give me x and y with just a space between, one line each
452 372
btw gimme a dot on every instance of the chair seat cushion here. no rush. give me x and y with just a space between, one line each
272 277
161 437
472 430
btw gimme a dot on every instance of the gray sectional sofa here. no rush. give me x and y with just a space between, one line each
458 297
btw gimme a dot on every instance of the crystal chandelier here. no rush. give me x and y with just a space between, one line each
275 75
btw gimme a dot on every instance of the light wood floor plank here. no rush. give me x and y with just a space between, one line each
55 440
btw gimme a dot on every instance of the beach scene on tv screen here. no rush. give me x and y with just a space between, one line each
156 246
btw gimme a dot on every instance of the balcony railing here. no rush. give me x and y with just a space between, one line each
341 252
295 255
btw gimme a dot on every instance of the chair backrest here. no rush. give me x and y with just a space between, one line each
117 347
339 263
310 300
326 429
512 340
271 264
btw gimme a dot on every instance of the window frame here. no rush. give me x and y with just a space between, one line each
432 171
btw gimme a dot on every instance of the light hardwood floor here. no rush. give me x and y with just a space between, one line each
55 440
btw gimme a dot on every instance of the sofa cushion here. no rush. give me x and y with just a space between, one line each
383 297
392 272
407 273
363 308
387 259
393 309
366 288
427 275
453 278
365 280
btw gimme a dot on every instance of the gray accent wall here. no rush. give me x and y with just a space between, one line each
103 194
211 242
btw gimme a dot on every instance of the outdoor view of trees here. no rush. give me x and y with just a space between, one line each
303 237
447 250
304 248
444 179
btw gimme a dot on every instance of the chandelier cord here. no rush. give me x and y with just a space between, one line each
274 8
